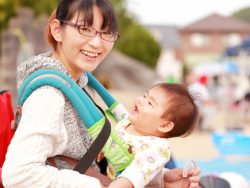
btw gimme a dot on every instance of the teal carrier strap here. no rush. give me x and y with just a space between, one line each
115 149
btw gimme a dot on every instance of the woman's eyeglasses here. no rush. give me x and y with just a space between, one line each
91 32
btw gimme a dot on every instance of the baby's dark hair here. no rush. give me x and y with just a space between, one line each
67 8
181 109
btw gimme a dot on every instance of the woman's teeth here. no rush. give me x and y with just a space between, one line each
90 54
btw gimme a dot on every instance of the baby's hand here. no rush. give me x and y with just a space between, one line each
189 165
194 177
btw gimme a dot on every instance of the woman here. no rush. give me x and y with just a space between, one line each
82 33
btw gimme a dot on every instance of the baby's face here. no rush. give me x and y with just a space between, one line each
147 111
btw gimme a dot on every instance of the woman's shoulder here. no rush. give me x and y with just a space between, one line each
41 61
47 94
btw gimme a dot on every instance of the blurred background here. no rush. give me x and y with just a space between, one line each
201 44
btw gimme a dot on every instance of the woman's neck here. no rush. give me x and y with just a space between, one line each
56 56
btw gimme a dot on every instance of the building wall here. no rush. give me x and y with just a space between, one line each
215 47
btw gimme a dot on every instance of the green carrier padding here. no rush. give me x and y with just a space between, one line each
115 150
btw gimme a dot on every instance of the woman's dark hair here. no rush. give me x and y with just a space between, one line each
181 109
67 8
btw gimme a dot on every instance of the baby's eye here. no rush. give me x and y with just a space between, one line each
150 103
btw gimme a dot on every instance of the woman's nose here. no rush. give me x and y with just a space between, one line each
96 41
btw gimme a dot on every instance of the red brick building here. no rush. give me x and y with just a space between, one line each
207 38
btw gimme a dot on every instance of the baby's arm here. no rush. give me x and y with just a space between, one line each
146 166
121 183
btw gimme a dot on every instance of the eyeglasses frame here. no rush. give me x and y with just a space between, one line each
117 35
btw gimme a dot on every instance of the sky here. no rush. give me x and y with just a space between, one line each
181 12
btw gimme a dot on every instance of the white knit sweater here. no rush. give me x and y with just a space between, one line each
49 126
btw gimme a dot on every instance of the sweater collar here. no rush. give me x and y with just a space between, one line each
45 61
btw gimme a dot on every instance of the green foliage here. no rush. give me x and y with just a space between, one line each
135 40
243 14
7 10
39 6
138 43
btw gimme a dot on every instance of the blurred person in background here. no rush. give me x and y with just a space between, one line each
246 107
197 85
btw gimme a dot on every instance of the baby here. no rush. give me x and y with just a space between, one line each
164 111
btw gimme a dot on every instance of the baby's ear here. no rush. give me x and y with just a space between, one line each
56 30
166 126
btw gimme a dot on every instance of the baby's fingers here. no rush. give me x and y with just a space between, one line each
194 185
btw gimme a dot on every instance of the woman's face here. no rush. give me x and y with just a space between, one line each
80 53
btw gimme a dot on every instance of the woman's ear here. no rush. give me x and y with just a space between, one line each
166 126
56 30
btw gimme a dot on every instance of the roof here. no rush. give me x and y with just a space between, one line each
167 35
216 22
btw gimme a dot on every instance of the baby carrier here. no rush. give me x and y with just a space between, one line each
115 150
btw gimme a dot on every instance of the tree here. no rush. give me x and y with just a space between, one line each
135 40
39 7
7 10
243 14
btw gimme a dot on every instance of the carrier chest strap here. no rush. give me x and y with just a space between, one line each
90 171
